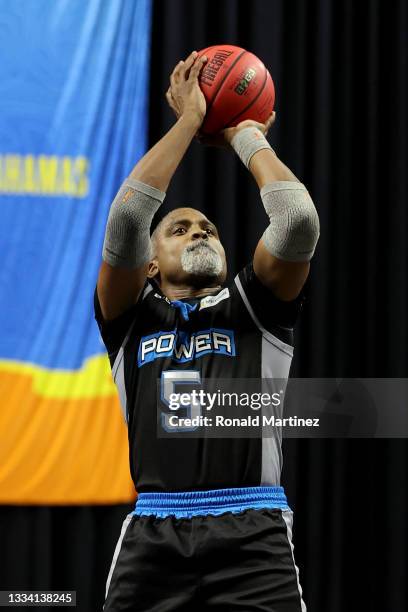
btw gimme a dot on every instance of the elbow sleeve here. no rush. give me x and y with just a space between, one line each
294 227
127 236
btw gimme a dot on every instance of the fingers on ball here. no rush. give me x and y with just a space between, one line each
191 58
197 66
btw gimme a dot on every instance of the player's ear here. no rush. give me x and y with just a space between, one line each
153 269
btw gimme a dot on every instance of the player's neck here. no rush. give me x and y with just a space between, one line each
181 293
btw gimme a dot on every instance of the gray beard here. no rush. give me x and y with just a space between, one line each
201 260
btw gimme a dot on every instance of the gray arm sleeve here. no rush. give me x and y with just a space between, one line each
127 236
294 223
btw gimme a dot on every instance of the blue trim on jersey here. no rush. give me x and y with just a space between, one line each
185 308
168 343
215 501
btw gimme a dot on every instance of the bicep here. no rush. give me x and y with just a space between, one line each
284 278
119 288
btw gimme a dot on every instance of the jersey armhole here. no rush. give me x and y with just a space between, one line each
268 335
116 332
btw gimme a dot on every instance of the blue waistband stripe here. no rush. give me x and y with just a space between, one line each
215 501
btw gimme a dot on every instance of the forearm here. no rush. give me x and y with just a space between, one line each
127 237
258 156
294 223
157 167
267 168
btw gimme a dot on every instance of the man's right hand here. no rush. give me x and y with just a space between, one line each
184 95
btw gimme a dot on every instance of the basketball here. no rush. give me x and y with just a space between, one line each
236 86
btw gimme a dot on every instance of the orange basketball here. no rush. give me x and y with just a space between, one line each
236 86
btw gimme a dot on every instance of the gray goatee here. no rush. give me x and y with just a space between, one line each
201 259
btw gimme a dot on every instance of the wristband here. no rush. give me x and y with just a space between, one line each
249 141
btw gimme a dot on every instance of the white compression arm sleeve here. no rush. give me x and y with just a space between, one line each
294 223
127 237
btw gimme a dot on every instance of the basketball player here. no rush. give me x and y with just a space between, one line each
211 529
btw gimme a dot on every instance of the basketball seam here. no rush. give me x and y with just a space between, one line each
252 101
224 79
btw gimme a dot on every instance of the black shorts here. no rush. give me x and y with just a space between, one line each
227 550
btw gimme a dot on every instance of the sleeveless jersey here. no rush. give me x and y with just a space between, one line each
241 331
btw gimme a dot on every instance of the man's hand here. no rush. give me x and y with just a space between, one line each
223 138
184 95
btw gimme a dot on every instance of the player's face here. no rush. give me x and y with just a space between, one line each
189 251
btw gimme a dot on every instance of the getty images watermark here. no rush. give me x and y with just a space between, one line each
190 406
206 401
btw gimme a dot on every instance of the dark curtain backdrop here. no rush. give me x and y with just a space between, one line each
340 71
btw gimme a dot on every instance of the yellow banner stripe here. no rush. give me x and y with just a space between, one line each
94 379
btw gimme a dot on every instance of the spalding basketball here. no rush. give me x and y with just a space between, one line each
236 86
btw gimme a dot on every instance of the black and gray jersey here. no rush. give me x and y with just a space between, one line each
242 331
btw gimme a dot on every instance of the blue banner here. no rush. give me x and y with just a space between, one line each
73 122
